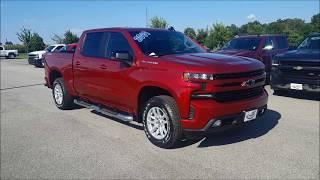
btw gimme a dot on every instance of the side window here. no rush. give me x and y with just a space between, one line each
95 44
1 48
117 43
269 42
282 42
58 48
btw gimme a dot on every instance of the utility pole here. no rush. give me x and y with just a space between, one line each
146 16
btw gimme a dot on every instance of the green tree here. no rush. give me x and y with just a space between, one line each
68 38
57 39
36 43
315 22
202 36
233 29
158 22
252 28
25 37
190 32
218 35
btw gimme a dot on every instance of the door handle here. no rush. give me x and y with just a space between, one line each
103 66
77 63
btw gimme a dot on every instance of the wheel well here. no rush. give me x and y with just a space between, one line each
145 94
54 75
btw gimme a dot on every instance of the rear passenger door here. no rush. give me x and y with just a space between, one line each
89 66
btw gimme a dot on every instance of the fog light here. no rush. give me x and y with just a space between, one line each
217 123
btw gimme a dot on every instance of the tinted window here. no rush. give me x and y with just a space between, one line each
282 42
269 42
58 48
117 43
49 48
1 48
311 43
95 44
159 43
243 44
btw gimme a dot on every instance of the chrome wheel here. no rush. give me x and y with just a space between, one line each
58 94
158 123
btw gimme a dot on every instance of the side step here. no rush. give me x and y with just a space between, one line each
104 111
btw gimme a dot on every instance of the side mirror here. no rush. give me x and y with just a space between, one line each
124 57
268 47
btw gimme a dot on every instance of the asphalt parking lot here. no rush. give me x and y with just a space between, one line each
40 141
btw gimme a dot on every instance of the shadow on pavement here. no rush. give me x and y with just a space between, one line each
300 95
244 132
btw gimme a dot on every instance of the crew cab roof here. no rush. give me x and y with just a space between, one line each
124 29
262 35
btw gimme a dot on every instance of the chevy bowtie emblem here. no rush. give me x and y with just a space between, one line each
298 68
248 83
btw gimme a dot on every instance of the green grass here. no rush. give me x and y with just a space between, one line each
22 56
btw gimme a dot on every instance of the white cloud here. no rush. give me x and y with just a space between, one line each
251 17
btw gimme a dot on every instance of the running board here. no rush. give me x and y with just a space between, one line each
104 111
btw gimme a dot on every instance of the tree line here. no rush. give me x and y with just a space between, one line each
218 34
212 37
32 41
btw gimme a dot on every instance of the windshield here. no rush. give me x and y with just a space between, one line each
310 43
243 44
159 43
49 48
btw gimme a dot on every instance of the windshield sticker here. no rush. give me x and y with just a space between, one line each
141 36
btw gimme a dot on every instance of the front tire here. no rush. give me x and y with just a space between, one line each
161 120
61 97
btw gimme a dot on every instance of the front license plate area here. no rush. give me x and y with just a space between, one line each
250 115
296 86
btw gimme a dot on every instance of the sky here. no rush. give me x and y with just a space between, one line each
55 17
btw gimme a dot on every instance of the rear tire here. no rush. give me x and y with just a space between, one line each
61 97
12 56
161 121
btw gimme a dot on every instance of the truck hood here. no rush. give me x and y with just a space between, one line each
303 54
37 52
215 63
235 52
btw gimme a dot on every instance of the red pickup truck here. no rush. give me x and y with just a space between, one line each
260 47
160 78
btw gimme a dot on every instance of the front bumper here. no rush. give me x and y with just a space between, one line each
280 82
207 112
38 62
228 122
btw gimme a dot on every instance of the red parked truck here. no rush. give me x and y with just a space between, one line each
160 78
260 47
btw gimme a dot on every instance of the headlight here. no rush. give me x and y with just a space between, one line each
197 76
275 62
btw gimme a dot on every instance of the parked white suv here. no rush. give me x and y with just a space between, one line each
36 57
10 54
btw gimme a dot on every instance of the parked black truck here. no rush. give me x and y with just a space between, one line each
299 69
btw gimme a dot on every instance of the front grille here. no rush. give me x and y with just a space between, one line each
238 95
301 74
240 75
301 63
32 56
